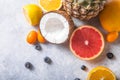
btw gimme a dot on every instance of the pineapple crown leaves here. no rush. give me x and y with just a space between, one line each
88 3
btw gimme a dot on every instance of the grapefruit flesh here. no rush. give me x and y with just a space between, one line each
86 42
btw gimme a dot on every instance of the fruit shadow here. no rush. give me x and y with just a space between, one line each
65 45
36 27
102 57
38 46
96 23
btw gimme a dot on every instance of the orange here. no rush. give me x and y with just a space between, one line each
110 17
101 73
32 37
40 37
50 5
111 37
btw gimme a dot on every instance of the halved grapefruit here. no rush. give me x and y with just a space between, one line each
87 42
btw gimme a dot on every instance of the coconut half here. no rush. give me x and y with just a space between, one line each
56 26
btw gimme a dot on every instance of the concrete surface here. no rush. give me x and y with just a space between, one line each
14 51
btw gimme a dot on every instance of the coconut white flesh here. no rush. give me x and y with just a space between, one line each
54 27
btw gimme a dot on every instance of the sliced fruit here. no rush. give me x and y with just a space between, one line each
33 14
87 42
56 26
101 73
110 17
32 37
40 37
50 5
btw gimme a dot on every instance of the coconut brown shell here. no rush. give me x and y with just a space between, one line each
68 18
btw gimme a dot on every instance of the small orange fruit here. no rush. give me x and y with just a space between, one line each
111 37
32 37
40 37
50 5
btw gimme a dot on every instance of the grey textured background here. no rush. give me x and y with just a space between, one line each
14 51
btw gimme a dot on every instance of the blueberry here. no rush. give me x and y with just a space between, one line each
38 47
76 79
83 67
28 65
110 55
48 60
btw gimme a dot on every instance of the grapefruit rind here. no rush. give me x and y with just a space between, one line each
102 39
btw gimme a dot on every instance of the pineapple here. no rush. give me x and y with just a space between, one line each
83 9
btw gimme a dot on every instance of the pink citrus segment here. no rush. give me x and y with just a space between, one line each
86 42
